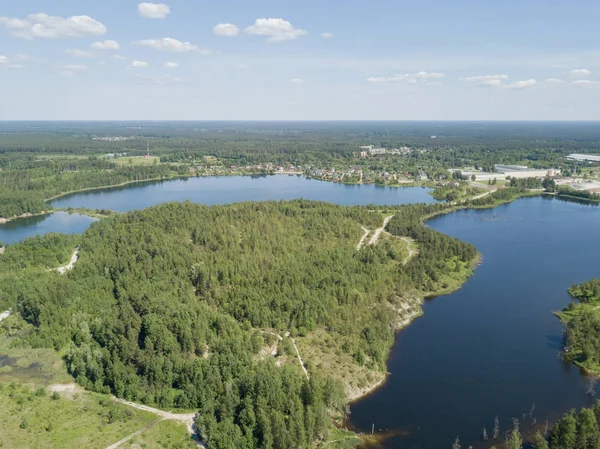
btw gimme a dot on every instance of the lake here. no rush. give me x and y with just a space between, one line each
208 190
491 349
234 189
62 222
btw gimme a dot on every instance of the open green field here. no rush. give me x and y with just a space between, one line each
31 418
136 160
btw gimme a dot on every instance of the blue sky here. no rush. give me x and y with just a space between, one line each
309 60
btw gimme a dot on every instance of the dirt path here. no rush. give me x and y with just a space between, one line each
362 240
411 251
378 231
5 315
65 268
300 360
189 419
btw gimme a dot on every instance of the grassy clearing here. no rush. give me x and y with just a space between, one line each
23 364
36 419
136 160
340 439
164 435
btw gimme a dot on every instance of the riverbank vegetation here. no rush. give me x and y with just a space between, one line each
582 320
167 306
455 192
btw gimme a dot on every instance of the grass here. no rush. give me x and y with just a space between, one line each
136 160
21 363
35 419
164 435
340 439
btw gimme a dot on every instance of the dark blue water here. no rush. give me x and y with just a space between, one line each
233 189
491 348
62 222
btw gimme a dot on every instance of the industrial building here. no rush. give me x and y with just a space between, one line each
583 157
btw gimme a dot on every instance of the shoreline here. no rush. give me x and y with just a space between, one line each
4 220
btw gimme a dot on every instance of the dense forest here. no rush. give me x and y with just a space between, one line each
170 305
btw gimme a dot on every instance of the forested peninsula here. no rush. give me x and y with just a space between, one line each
265 317
582 321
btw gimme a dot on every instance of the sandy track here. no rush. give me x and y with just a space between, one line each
71 264
378 231
363 238
411 251
187 418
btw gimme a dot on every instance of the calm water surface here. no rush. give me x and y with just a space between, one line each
62 222
233 189
491 348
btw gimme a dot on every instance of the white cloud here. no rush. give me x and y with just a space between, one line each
553 82
138 64
277 30
66 73
153 10
226 29
585 83
486 80
163 79
525 84
171 65
7 64
297 81
411 78
120 57
106 45
102 63
579 73
75 67
42 25
79 53
170 44
327 35
29 58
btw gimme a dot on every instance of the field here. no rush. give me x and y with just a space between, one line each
136 160
35 418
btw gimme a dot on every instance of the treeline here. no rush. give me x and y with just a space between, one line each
586 195
165 306
13 203
24 191
587 292
526 183
583 325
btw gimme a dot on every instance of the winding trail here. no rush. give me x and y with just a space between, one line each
68 267
189 419
378 231
411 251
300 360
362 240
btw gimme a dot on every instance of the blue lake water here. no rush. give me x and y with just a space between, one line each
491 349
234 189
62 222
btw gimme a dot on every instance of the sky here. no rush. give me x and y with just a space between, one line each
299 60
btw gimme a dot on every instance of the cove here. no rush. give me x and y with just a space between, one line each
23 228
491 348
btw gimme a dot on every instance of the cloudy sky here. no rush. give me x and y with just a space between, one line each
302 60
